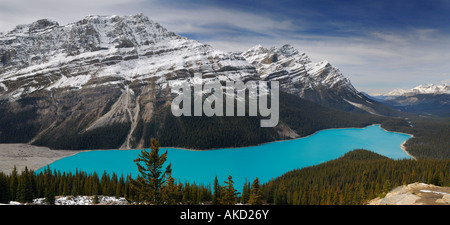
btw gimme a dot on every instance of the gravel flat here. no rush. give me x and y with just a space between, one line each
33 157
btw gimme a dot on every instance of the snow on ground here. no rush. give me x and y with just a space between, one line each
78 200
436 192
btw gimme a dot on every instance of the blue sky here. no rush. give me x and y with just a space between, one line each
379 45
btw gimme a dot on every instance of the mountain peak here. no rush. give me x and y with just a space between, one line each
298 75
42 40
27 29
288 51
422 89
116 18
104 49
101 71
258 54
43 24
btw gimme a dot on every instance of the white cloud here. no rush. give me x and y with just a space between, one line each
14 12
213 21
375 61
399 60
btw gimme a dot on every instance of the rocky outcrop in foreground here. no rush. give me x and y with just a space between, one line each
415 194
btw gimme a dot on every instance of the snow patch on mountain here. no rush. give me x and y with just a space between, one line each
363 107
112 49
75 82
295 70
422 89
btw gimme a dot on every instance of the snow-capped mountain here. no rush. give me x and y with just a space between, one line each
316 81
98 80
99 71
422 89
429 99
105 50
294 70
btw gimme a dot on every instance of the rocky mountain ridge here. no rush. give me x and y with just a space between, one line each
421 89
426 100
102 77
319 82
101 70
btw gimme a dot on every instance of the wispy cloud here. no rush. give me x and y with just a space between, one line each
380 46
212 22
15 12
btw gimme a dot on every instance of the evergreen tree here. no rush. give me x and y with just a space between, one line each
49 190
95 184
230 194
149 183
105 180
130 193
24 187
113 186
5 196
13 184
95 200
245 192
120 187
186 199
74 189
169 192
255 193
180 192
280 196
66 182
387 186
194 194
217 192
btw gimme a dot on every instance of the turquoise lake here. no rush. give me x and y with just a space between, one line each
265 161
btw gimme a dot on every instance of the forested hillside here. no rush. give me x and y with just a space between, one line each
431 136
296 115
353 179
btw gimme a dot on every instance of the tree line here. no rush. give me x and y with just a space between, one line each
431 136
203 132
355 178
154 185
27 185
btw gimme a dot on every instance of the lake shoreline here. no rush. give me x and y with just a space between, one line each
38 157
21 155
266 161
402 146
212 149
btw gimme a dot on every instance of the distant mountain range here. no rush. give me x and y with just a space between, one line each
433 89
425 100
103 82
